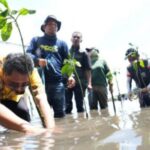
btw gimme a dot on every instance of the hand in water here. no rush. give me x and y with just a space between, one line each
33 131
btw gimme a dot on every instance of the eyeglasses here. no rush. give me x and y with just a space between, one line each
15 85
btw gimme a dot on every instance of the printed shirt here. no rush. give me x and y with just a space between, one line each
54 51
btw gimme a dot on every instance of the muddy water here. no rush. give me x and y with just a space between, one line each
129 129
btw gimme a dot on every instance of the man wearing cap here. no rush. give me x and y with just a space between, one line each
101 78
139 71
48 53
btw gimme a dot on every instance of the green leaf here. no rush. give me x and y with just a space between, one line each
6 31
32 11
2 22
130 44
14 12
69 66
67 69
23 11
4 13
4 2
64 70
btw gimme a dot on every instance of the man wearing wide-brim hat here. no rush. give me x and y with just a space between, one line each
48 19
48 53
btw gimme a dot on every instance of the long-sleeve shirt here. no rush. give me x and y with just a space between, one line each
101 73
139 71
54 51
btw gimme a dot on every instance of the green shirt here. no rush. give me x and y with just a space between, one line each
100 72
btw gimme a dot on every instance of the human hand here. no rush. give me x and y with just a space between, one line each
29 129
89 87
42 62
56 129
71 82
145 90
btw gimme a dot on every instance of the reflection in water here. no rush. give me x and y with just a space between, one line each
127 130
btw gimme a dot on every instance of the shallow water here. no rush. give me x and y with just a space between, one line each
129 129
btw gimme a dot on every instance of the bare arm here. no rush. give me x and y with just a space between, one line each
46 111
16 123
39 95
88 77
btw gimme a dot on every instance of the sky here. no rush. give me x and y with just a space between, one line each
108 25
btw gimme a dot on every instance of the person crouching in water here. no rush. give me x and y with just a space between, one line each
16 74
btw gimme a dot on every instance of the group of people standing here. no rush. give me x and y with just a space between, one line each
49 53
40 70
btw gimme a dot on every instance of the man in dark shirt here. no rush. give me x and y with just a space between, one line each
139 71
83 72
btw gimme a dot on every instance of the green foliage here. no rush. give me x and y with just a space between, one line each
7 16
69 66
2 22
6 31
4 3
25 11
4 13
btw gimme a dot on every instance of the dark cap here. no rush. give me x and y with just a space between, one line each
91 49
131 51
48 18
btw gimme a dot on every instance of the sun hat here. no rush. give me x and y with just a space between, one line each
48 18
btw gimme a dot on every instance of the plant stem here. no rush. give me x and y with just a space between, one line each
75 71
30 87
